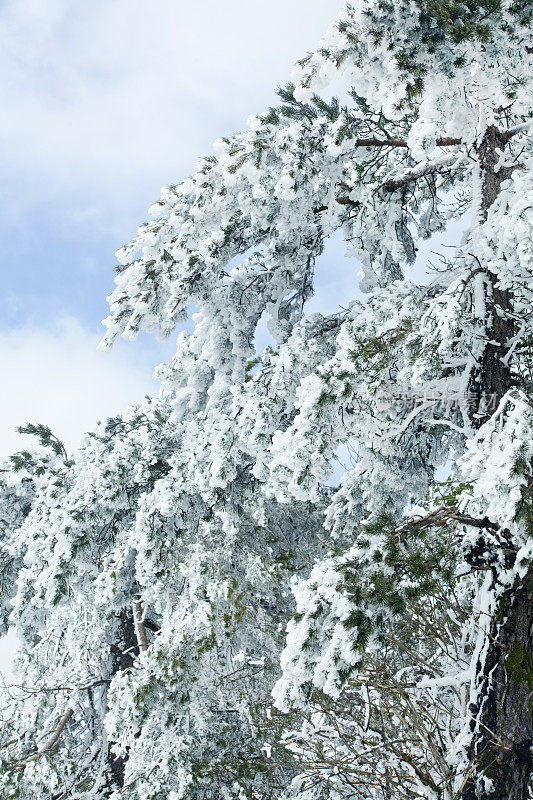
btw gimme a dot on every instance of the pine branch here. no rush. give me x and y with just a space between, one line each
46 439
443 514
442 141
50 743
427 168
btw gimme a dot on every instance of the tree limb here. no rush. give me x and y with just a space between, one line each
426 168
420 170
442 141
51 741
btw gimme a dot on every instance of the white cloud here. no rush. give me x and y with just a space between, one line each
120 96
57 377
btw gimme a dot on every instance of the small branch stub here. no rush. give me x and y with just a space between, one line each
138 618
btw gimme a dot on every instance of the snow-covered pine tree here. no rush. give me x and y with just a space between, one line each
149 576
149 612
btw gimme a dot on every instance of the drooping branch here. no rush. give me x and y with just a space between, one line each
372 141
51 741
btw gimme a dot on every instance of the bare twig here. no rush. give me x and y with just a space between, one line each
50 743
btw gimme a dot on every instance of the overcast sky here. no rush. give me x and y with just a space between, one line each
102 104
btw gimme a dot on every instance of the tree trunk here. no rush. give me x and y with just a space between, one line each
491 378
502 724
500 750
123 658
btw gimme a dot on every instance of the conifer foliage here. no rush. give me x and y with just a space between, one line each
201 612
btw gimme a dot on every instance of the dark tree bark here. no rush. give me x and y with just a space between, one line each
124 652
502 724
501 750
491 378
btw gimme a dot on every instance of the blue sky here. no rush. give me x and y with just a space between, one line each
102 104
